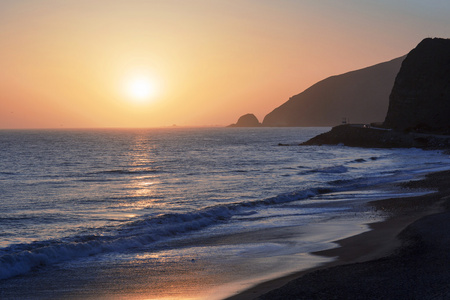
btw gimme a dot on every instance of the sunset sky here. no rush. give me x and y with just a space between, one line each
106 63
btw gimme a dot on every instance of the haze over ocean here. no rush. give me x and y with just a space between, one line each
180 212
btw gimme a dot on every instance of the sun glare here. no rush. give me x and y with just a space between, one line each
141 89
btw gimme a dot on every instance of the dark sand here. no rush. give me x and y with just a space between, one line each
406 256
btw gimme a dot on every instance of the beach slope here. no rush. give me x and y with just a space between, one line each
405 257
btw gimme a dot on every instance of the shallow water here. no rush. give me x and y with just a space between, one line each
180 212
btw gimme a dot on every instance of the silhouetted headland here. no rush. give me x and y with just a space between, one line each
420 98
361 96
419 105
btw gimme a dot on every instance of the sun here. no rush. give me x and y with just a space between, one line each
141 89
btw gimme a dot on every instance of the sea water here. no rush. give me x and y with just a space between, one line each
180 212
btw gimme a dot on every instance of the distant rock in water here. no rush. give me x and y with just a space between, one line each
361 96
420 98
248 120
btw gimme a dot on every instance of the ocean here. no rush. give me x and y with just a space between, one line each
181 213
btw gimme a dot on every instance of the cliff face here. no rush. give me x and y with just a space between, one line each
248 120
362 96
419 105
420 98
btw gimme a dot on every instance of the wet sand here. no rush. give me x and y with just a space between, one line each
407 256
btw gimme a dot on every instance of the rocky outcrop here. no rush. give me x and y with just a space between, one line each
370 137
419 107
361 96
248 120
420 98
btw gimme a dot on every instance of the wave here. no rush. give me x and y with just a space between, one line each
114 174
143 232
336 169
332 170
359 160
125 171
20 259
149 230
7 173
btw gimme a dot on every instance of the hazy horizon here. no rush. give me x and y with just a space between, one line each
151 64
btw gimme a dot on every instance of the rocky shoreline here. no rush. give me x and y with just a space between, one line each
373 137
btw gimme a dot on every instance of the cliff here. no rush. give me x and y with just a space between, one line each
361 96
419 105
420 98
248 120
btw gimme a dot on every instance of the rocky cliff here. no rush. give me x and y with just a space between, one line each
420 98
361 96
419 105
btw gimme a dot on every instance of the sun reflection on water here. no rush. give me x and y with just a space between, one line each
141 189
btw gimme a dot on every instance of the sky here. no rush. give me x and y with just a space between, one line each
136 63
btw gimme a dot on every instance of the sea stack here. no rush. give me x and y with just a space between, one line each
247 120
420 98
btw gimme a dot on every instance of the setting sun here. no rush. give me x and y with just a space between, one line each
141 89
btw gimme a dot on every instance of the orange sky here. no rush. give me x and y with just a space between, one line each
63 64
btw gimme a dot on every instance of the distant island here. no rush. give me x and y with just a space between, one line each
419 105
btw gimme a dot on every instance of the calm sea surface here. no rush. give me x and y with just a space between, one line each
180 212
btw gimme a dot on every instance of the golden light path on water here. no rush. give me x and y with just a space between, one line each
184 272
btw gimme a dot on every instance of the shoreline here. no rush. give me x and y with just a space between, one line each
381 242
366 136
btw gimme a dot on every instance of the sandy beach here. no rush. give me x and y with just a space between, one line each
405 256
